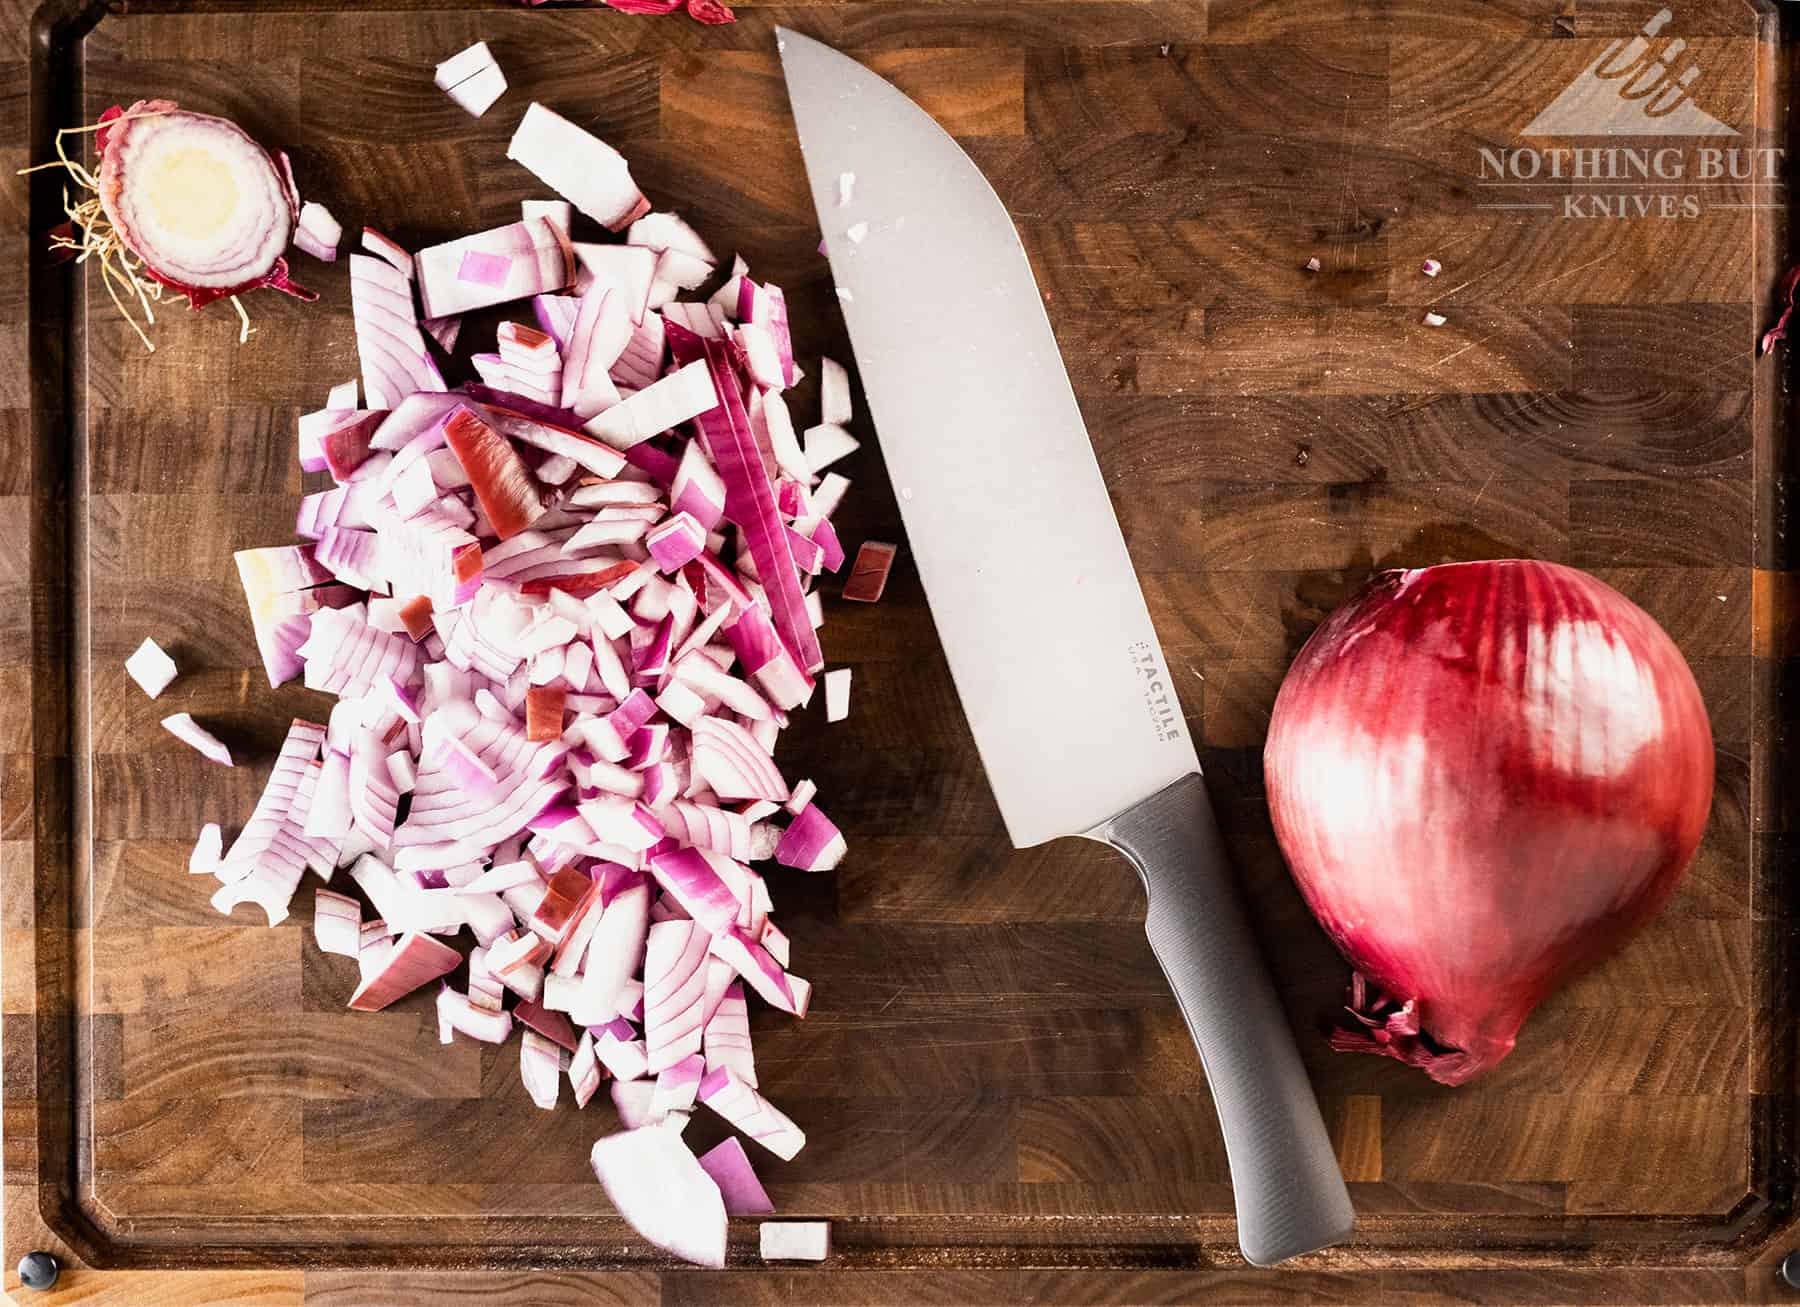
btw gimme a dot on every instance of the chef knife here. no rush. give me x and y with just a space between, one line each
1054 657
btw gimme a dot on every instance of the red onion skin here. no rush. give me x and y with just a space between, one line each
1484 777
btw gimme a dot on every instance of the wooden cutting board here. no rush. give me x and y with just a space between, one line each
995 1082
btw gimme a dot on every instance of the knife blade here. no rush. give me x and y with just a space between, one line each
1056 662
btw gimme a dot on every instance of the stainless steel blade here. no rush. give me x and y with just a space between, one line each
1043 623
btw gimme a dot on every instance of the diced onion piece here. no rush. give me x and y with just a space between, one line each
544 712
730 1168
541 1065
675 542
726 1037
190 732
674 986
650 1175
460 1012
501 481
506 263
834 393
416 960
151 668
679 397
587 453
584 1070
472 79
752 961
620 1051
629 268
837 694
205 858
794 1241
382 247
395 362
826 444
751 1113
337 923
828 494
811 842
323 231
677 1085
698 490
869 573
578 166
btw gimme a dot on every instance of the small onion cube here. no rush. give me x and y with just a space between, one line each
828 494
623 1054
552 1025
544 712
869 573
795 1241
478 1020
837 694
676 541
151 668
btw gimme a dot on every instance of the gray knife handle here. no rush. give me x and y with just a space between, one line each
1290 1193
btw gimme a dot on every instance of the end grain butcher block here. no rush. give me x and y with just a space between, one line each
994 1077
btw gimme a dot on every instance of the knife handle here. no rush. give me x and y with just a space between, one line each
1290 1193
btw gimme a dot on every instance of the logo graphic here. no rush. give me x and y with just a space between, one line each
1626 140
1157 700
1632 89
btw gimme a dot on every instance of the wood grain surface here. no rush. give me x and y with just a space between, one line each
1001 1101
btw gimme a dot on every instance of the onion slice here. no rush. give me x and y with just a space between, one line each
730 1168
661 1190
191 732
201 203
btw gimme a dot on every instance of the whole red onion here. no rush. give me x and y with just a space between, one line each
1484 776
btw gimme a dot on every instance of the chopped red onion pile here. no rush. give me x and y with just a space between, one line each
566 614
